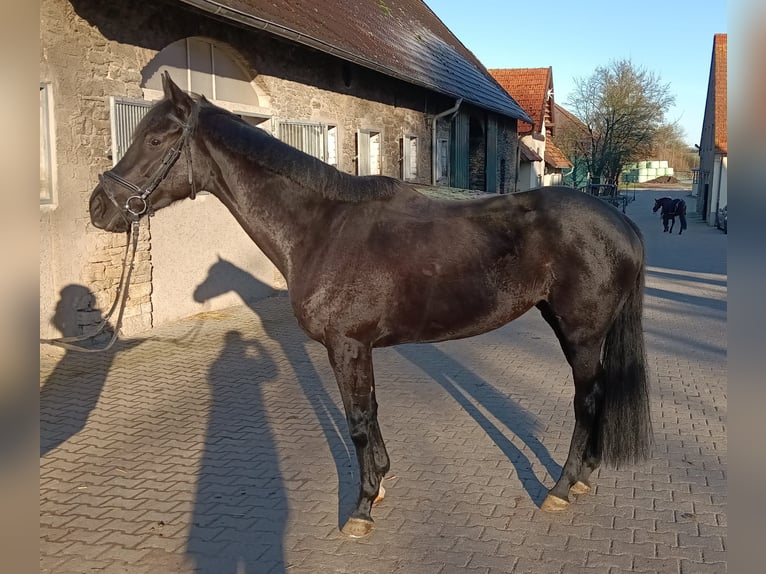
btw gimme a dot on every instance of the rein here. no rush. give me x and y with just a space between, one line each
124 282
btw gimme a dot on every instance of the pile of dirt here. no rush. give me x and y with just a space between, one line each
664 179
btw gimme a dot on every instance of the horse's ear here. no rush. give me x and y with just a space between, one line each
175 94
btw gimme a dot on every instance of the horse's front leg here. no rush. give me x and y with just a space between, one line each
672 223
352 363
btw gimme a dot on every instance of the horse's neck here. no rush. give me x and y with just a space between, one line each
267 205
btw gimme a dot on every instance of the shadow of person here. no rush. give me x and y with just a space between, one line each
459 381
223 277
71 391
240 508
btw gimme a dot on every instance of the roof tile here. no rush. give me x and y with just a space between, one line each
529 87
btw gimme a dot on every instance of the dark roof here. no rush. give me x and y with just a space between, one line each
568 123
528 154
400 38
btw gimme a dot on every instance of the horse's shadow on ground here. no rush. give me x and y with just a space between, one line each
464 386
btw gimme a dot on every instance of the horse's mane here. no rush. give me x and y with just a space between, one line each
304 170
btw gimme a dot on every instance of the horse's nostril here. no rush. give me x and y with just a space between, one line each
98 206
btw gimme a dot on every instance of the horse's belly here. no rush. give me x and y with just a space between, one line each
443 320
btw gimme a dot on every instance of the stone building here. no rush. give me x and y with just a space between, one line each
385 89
711 188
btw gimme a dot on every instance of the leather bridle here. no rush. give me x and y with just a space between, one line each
136 205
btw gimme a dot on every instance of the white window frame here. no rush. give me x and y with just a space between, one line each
47 149
365 153
410 152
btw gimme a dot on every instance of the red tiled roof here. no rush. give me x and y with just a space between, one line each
555 157
529 87
719 79
400 38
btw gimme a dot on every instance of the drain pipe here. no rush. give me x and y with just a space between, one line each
437 117
716 219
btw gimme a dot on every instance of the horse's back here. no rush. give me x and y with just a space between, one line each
409 268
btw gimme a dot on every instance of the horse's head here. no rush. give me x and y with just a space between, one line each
657 205
217 282
149 176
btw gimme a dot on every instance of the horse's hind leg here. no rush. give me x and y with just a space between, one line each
587 404
583 458
352 363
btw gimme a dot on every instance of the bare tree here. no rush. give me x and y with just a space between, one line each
622 107
669 144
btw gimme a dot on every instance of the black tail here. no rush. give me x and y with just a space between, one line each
626 426
682 214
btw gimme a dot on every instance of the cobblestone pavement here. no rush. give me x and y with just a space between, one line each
217 444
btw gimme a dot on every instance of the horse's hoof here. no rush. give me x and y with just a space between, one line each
381 495
580 487
357 528
554 504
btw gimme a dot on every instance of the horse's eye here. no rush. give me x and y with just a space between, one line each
155 142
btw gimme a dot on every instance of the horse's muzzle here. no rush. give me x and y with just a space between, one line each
104 214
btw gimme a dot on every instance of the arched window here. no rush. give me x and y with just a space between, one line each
195 65
198 65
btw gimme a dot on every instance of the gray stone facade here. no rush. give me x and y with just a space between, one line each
92 50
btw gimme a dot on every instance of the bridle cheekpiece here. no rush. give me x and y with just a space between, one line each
136 205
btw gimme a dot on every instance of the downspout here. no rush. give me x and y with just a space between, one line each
718 194
437 117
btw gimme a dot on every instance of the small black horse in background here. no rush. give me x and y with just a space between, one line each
670 209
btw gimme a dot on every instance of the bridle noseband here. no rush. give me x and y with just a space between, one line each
136 205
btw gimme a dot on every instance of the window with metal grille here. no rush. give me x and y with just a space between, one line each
316 139
368 148
409 157
125 116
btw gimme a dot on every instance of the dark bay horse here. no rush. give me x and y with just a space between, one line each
670 209
370 262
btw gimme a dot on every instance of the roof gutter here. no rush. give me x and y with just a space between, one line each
251 21
437 117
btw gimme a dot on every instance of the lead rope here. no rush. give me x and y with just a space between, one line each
124 283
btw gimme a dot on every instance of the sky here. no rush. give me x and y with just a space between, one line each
672 38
